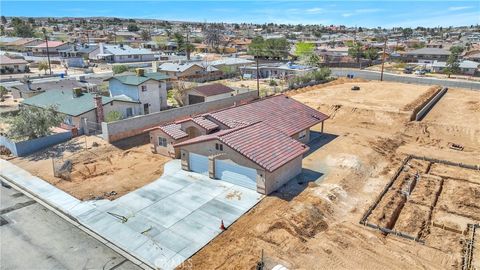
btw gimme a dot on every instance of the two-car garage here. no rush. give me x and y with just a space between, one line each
225 170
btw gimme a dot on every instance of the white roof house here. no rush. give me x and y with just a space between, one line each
123 53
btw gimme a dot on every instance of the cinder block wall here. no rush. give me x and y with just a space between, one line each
129 127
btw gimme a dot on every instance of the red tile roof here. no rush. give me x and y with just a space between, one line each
213 89
280 112
205 123
51 44
5 60
174 131
258 142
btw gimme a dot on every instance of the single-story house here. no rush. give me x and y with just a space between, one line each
12 65
426 55
82 110
149 89
54 48
75 55
207 93
275 70
19 44
466 67
258 145
122 54
29 89
190 71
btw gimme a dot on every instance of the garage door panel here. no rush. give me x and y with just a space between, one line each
198 163
231 172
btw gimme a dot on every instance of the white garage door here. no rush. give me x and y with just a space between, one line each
198 163
229 171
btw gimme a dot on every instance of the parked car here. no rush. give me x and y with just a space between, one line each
408 70
420 72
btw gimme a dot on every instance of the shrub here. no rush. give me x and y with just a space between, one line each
113 116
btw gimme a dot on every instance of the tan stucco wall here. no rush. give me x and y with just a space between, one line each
305 139
282 175
168 151
266 182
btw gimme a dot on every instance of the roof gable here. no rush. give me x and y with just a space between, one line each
213 89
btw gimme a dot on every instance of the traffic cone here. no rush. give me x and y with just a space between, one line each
222 226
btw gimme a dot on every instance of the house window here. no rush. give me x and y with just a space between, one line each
144 88
302 134
162 141
136 56
68 120
129 112
219 146
129 56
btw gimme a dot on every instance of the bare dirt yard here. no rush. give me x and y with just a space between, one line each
99 169
315 225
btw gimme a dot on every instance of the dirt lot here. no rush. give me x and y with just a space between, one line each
316 225
103 171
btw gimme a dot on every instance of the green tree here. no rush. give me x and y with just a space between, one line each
145 34
356 51
273 48
113 116
314 60
32 122
132 28
43 66
3 20
453 62
22 29
371 53
3 92
304 49
407 32
117 69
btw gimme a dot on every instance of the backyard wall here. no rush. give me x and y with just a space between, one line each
129 127
24 148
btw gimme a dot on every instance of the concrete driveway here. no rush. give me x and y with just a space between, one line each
163 223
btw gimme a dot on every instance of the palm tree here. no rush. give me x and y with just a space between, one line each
43 66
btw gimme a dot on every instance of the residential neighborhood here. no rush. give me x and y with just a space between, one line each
267 135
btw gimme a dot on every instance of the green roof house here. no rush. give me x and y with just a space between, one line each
148 89
82 110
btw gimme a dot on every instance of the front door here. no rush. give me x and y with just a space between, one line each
145 109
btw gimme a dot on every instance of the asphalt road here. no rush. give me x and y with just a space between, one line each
33 237
374 75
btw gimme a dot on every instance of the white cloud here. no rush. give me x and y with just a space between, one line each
314 10
347 14
459 8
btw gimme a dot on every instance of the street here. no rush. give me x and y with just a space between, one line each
33 237
375 75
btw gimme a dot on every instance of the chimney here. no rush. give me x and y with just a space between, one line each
154 66
140 72
98 108
77 91
100 45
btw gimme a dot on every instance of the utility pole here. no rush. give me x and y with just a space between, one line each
258 79
383 57
48 53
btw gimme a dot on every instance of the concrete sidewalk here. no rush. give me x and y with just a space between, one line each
163 223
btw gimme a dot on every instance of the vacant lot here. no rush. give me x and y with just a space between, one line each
99 170
316 225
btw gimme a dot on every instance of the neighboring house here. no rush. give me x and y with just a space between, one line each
258 145
190 72
234 63
426 55
122 54
12 65
20 44
207 93
466 67
54 48
29 89
147 89
75 55
276 70
81 109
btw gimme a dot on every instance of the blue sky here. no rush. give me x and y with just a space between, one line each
360 13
